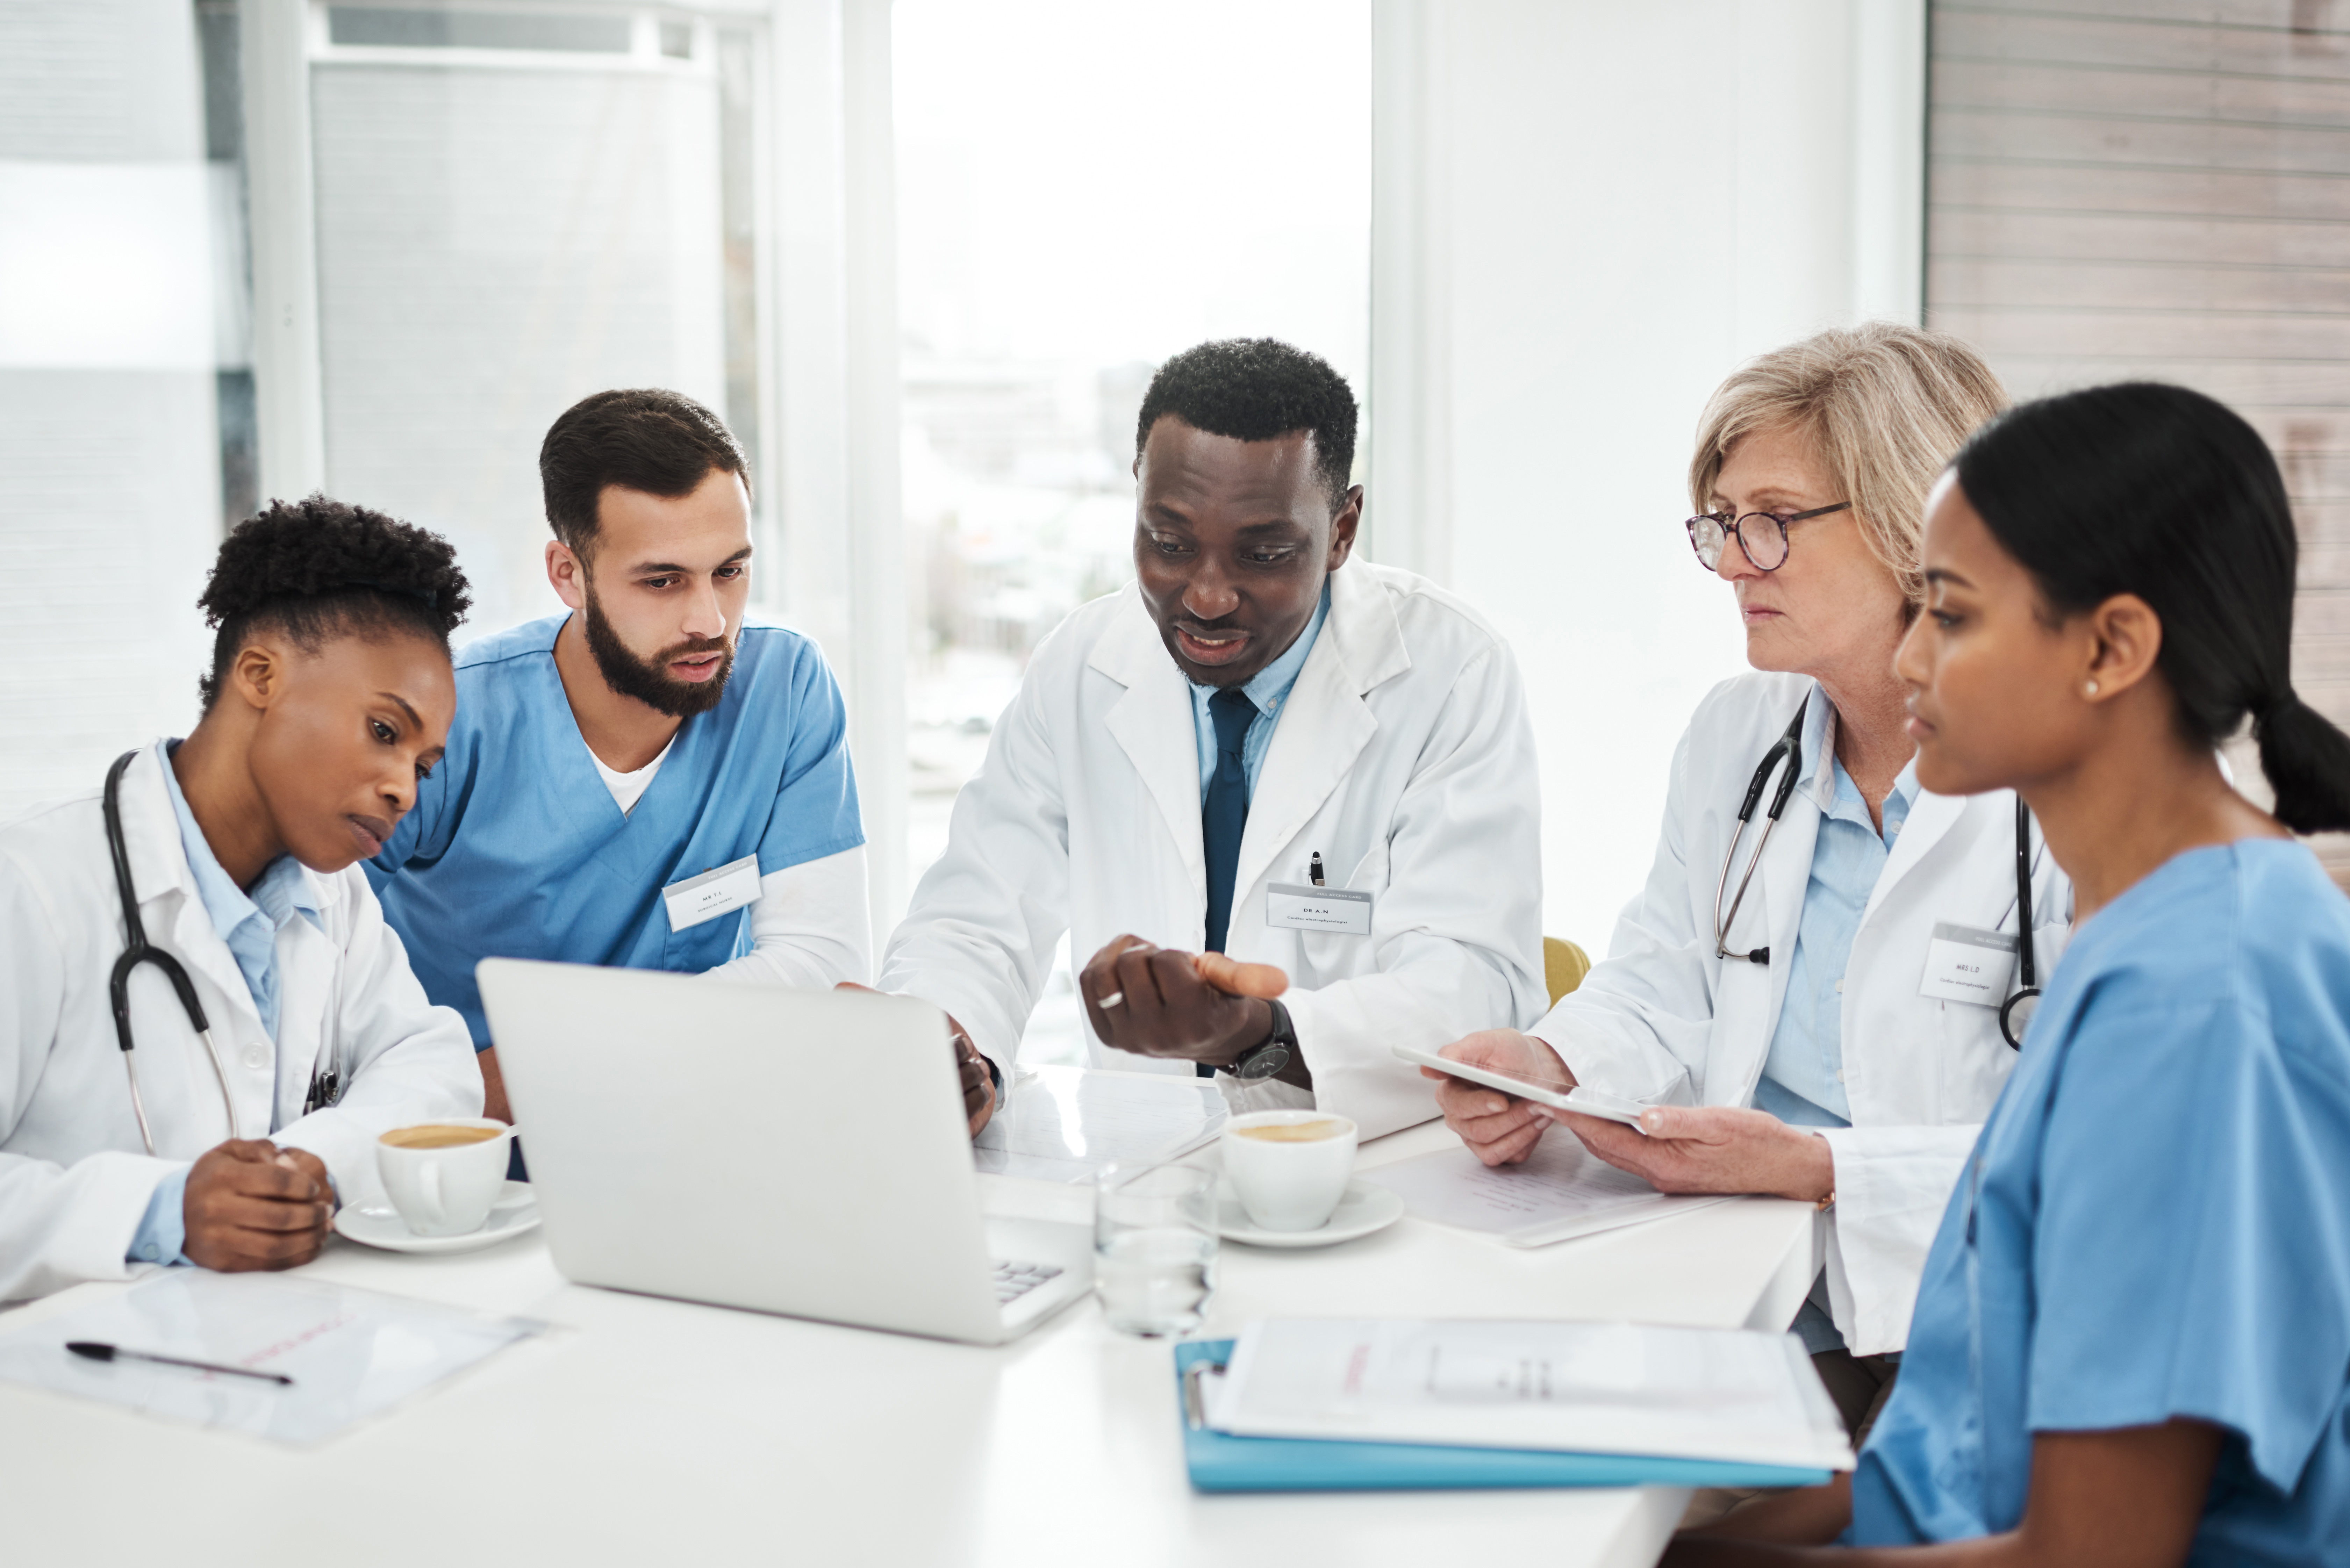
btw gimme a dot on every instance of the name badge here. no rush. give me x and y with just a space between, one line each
1966 964
713 893
1299 909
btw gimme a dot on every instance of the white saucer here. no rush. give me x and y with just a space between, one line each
1363 1211
513 1214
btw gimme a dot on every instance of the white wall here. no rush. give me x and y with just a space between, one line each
1586 215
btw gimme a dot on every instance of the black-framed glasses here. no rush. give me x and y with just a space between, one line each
1762 535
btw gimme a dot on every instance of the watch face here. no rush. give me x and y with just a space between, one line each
1261 1063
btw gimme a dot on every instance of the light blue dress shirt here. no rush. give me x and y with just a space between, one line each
1802 1077
2153 1224
249 924
1267 689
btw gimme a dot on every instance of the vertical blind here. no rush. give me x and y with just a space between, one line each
2133 188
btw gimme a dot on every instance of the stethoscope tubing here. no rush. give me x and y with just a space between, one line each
1789 746
137 950
2027 968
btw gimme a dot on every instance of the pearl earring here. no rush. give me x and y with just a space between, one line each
2090 689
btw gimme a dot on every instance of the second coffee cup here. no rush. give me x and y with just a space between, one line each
1289 1168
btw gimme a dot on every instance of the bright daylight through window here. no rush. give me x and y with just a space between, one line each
1083 191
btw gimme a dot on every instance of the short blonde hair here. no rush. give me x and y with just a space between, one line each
1887 406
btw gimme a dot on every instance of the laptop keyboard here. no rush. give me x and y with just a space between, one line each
1014 1280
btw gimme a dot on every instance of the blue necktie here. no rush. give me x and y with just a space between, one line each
1224 813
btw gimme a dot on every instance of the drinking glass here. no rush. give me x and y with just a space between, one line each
1155 1247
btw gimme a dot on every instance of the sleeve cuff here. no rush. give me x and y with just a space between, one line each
163 1229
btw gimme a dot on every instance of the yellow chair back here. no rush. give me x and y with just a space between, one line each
1564 966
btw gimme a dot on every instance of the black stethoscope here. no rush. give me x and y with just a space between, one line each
2014 1014
137 950
326 1087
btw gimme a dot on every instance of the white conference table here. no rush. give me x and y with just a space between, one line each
658 1431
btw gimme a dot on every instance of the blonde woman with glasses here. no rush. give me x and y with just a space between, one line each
1814 994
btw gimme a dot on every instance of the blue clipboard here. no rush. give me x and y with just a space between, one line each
1219 1463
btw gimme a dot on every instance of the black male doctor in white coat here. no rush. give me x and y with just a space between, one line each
1171 762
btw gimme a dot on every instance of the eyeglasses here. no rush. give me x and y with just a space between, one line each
1761 536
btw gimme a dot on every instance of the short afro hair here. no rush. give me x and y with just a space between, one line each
640 438
318 568
1258 388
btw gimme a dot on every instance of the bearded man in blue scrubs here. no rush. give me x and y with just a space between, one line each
649 781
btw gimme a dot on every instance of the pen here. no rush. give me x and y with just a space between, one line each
96 1350
1314 870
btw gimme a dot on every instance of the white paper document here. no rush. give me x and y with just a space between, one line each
351 1353
1562 1190
1732 1395
1062 1124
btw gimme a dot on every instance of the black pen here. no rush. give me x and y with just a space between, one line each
1314 870
96 1350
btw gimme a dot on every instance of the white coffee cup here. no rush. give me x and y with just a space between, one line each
1289 1168
443 1175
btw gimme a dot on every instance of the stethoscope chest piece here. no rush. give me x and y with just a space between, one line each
2015 1015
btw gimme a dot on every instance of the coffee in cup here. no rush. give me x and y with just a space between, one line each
1314 1131
440 1134
444 1176
1289 1168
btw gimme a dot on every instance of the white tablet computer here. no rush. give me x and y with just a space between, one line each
1542 1090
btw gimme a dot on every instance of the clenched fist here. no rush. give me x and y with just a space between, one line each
252 1205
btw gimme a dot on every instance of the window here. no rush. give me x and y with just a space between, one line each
516 209
1083 191
117 355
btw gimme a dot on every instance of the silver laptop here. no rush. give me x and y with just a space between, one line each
801 1152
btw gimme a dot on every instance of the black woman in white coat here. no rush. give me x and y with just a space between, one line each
331 693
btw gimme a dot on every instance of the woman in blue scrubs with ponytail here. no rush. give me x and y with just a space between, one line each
2132 1340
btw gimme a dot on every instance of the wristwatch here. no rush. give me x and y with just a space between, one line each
1268 1059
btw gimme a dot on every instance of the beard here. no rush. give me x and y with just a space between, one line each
644 679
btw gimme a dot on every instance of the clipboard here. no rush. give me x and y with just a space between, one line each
1219 1463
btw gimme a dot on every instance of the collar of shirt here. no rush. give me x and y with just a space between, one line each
1845 805
1833 791
1267 689
248 923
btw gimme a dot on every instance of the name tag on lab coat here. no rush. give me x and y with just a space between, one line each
713 893
1966 964
1301 908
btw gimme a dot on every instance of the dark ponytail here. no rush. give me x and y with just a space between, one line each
2306 760
315 569
2163 493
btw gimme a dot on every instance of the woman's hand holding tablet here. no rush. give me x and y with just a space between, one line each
1674 1148
1556 1088
1502 1128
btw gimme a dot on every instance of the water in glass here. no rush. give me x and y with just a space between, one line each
1155 1247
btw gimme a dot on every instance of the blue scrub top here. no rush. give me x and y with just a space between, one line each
516 849
2156 1223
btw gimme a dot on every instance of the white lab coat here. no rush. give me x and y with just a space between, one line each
75 1179
1663 1021
1403 756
